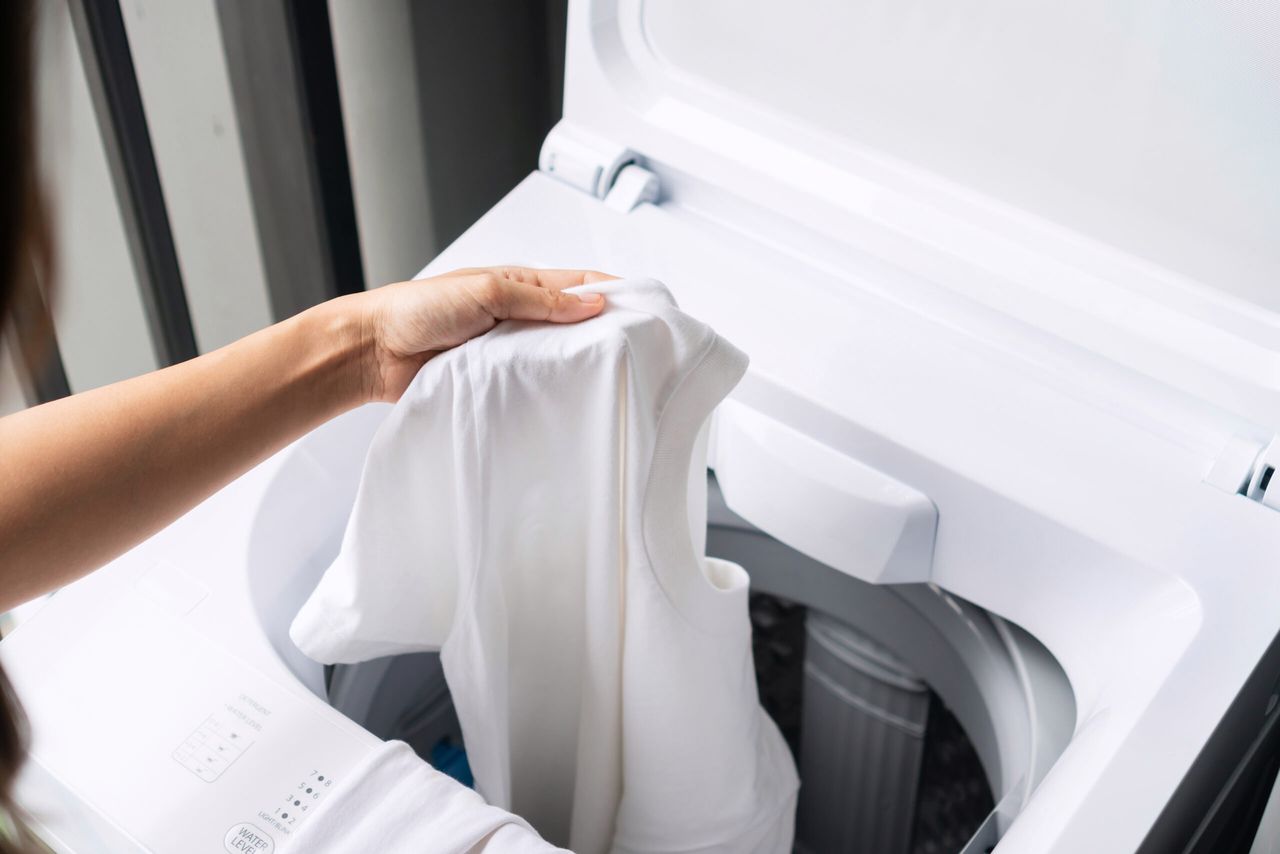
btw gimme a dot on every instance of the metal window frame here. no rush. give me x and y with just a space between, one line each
285 88
113 86
37 357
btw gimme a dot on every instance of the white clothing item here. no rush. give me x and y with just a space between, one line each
523 509
394 803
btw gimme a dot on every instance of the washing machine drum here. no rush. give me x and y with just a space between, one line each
905 708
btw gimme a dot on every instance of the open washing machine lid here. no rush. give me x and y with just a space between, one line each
1107 173
980 260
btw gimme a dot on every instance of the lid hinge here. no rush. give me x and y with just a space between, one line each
1249 469
603 169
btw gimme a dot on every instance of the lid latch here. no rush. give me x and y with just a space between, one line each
1264 484
1247 469
598 167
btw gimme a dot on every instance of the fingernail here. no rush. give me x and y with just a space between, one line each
591 298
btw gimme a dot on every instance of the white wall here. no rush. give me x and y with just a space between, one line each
182 76
373 45
97 308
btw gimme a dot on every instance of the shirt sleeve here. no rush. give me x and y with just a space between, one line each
394 803
393 586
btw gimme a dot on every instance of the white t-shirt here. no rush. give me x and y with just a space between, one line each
524 510
394 803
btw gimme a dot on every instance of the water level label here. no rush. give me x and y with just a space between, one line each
246 838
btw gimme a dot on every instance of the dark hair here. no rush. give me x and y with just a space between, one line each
26 258
25 261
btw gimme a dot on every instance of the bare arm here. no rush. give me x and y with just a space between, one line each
85 478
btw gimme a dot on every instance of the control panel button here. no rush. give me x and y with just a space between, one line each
246 838
212 747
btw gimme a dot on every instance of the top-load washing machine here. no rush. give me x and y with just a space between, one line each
1007 275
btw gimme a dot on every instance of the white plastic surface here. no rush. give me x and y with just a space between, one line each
184 742
1105 172
821 503
582 159
634 185
163 719
1234 468
1264 486
1152 126
1070 491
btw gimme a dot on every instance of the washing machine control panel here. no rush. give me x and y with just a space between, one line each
152 736
213 746
278 821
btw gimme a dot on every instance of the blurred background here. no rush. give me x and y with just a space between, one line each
213 166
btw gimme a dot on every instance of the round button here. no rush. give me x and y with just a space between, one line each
245 837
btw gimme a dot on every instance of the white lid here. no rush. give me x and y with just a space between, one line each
1113 164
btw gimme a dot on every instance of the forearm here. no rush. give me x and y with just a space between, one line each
85 478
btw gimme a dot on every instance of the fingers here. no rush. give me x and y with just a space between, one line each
551 279
505 298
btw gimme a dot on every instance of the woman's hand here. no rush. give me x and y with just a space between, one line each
404 325
84 478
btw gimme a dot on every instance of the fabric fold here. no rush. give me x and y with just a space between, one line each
394 803
524 509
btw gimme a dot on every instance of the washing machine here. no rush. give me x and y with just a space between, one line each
1001 469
